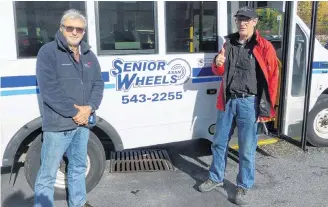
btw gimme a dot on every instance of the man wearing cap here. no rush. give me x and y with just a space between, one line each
248 64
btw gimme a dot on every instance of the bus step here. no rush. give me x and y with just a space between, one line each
146 160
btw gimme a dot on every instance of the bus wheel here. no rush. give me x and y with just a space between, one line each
317 125
96 162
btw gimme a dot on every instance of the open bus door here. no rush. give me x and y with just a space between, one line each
272 26
280 24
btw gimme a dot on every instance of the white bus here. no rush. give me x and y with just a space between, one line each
159 88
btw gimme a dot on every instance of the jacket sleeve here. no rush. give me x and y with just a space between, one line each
218 70
97 88
50 90
273 74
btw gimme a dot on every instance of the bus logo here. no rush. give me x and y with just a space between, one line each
149 73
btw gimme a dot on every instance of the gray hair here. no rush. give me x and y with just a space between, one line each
73 14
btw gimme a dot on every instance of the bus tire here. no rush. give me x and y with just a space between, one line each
317 124
95 169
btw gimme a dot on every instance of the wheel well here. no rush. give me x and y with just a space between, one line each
20 142
107 134
325 91
106 142
23 147
323 94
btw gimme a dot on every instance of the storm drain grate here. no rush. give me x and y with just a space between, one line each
140 161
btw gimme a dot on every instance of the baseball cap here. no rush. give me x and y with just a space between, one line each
247 12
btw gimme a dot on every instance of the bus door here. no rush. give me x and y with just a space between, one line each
294 76
279 24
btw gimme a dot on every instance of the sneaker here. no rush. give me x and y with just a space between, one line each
241 196
209 185
87 205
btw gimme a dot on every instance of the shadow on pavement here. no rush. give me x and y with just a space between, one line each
186 156
12 171
17 199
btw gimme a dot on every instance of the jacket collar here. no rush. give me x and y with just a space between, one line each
235 36
62 43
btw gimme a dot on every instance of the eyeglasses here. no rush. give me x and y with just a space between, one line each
243 19
71 29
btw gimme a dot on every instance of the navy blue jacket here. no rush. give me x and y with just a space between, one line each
64 82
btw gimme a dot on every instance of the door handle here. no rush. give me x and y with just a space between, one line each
211 91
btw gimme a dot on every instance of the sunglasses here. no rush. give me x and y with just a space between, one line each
71 29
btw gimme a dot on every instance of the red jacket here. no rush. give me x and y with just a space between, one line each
265 55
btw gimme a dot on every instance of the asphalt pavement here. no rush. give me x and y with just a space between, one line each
289 177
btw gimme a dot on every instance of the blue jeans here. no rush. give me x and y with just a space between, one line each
55 144
240 112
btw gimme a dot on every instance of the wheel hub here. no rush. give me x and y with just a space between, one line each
325 122
321 124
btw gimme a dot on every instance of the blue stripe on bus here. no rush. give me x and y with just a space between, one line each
105 76
37 91
206 80
318 71
320 65
201 72
20 92
30 80
109 86
18 81
200 75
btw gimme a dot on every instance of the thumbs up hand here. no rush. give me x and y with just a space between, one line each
220 59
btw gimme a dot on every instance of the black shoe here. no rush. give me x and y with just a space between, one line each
241 196
87 205
209 185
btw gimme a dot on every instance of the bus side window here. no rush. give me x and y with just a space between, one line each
299 69
126 27
191 26
38 22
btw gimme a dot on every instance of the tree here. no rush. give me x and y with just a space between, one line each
304 11
269 20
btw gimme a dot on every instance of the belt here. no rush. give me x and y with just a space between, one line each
239 95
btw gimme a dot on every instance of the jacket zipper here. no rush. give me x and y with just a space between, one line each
81 76
82 79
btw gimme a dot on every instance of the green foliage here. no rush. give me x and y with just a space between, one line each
304 11
269 23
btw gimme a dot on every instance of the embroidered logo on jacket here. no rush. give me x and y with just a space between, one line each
88 64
